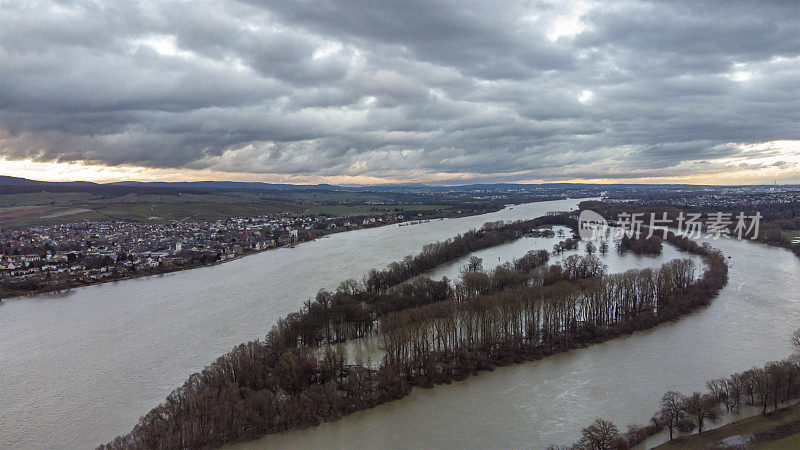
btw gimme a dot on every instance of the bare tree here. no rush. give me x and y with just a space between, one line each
474 265
672 409
702 407
600 435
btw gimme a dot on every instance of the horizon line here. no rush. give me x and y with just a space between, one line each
600 182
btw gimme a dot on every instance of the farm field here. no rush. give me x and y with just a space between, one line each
49 208
361 210
46 208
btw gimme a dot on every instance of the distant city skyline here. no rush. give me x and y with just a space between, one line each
358 92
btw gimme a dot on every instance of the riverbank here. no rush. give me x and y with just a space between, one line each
161 270
777 430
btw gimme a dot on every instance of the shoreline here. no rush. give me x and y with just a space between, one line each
129 276
758 429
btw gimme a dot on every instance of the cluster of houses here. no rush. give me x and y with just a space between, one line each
48 257
727 197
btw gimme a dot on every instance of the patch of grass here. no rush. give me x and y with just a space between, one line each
168 212
328 196
44 198
364 210
29 209
788 443
16 216
44 208
235 197
767 431
791 235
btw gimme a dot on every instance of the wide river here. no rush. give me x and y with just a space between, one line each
79 368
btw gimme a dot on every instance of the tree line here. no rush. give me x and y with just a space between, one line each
550 309
767 387
436 254
432 333
640 245
527 321
353 310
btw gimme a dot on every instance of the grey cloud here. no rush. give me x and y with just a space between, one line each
360 88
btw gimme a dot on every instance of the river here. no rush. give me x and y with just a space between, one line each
80 367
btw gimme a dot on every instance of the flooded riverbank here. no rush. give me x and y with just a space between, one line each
547 402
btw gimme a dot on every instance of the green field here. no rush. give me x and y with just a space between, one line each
788 443
776 430
143 212
364 210
44 198
44 215
328 196
170 212
46 208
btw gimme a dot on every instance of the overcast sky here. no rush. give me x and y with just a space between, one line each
371 92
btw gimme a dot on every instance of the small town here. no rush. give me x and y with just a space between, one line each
54 257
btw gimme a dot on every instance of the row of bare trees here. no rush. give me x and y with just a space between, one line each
640 245
539 316
566 244
353 309
432 334
436 254
769 387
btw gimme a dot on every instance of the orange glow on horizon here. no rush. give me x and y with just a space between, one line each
766 162
77 171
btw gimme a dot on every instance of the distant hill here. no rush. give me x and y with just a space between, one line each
226 185
16 185
9 184
6 180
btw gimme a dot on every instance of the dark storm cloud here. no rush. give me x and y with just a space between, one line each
520 91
